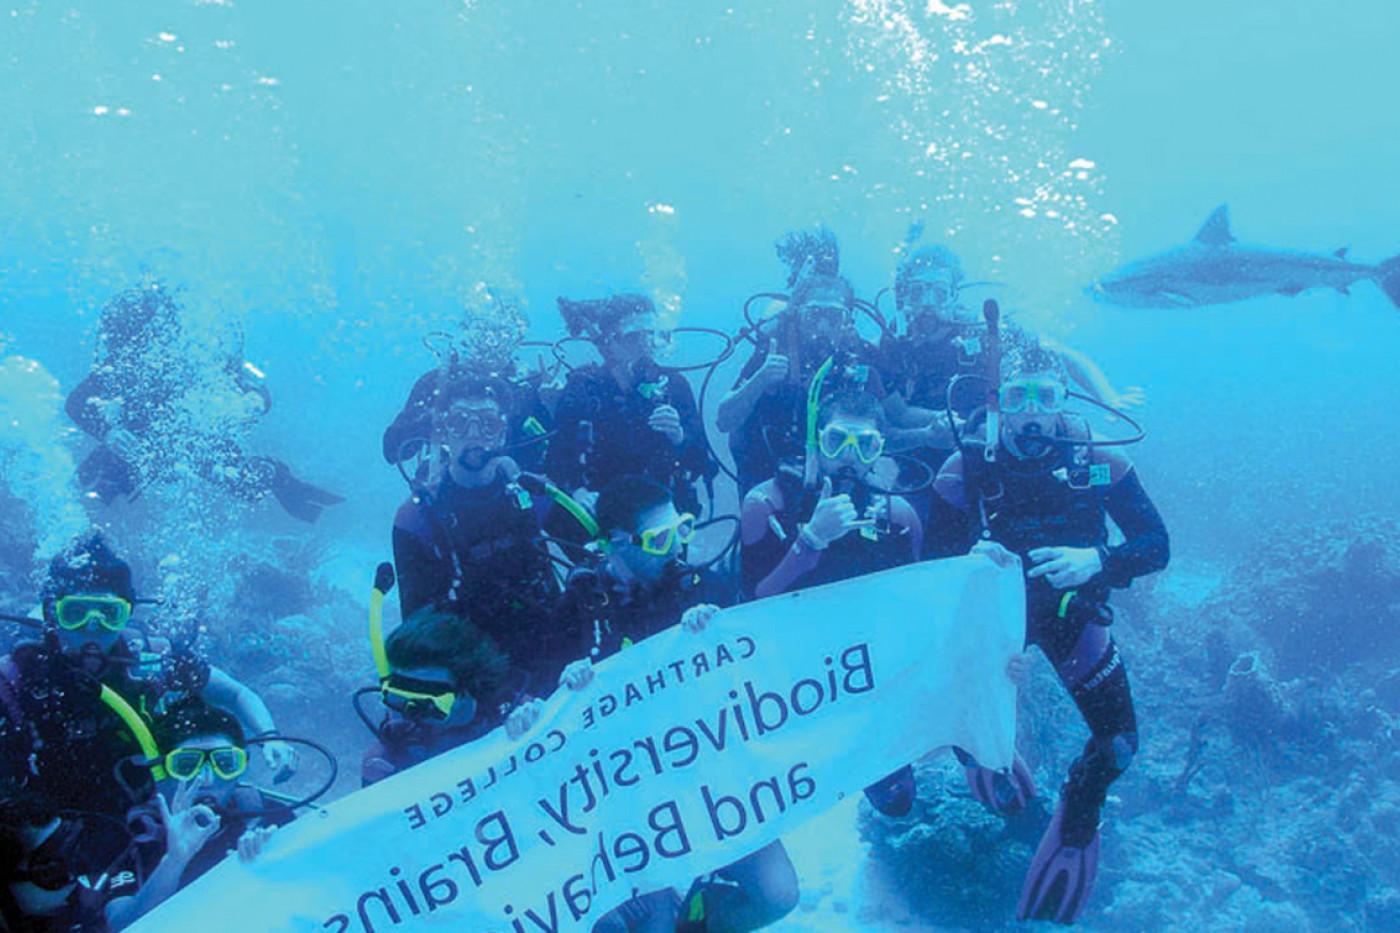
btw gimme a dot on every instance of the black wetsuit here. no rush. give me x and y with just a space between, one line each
853 555
482 551
58 736
603 434
921 370
774 432
610 614
1068 507
150 412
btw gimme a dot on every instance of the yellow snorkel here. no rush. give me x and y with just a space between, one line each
124 710
814 404
383 583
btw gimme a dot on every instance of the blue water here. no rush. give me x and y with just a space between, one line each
340 180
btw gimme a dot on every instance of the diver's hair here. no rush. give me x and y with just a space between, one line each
598 318
817 284
191 717
852 403
436 637
921 260
1030 357
87 564
811 248
622 502
460 381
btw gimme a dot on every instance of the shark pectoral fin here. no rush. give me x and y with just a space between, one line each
1290 291
1345 290
1216 230
1177 299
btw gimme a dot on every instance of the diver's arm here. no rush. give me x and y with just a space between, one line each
163 882
902 515
763 369
768 563
900 414
422 577
738 404
238 698
1085 373
1146 547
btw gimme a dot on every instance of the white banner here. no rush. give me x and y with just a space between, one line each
686 752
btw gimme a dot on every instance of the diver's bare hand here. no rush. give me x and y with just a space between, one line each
577 675
188 825
523 718
996 553
833 518
251 843
666 420
695 618
1018 668
774 370
1065 566
280 758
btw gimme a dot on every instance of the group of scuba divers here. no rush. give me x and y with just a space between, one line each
549 526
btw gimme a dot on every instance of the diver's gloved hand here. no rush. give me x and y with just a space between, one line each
188 825
1065 567
832 519
996 553
523 717
694 619
577 675
666 420
250 844
300 500
280 758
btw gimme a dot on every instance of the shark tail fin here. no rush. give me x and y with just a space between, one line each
1389 279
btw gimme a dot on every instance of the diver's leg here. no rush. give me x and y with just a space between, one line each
1065 865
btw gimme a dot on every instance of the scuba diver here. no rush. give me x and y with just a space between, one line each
944 339
629 414
765 413
445 683
203 812
135 403
471 537
76 705
1039 484
796 534
643 586
410 435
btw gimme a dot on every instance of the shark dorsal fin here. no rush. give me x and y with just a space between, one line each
1342 253
1216 230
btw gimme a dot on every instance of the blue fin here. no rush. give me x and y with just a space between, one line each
1216 230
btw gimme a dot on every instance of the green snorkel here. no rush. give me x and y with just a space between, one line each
814 399
124 710
537 483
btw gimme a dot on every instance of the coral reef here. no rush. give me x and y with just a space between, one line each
1266 796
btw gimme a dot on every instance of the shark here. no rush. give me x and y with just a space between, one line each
1214 269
